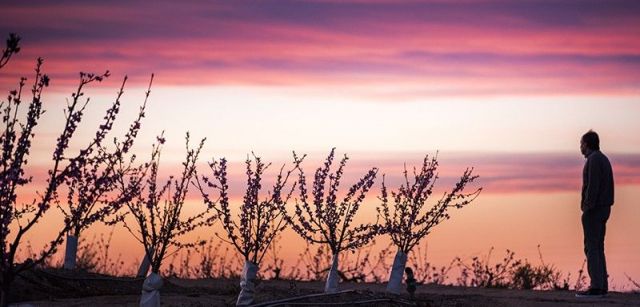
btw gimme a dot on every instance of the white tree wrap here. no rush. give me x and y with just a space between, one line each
70 253
144 264
151 291
397 271
331 285
247 283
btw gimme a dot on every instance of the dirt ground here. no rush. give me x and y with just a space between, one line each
67 289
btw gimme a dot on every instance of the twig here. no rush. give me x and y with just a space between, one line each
635 283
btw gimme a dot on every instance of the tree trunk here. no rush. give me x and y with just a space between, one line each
144 264
4 300
331 286
247 284
397 271
4 292
70 253
151 291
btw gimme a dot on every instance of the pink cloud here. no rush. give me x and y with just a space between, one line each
513 50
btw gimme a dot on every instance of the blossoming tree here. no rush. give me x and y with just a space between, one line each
323 219
259 221
92 188
17 217
408 220
158 221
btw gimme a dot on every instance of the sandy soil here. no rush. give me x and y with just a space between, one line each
56 289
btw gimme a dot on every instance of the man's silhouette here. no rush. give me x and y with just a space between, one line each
597 198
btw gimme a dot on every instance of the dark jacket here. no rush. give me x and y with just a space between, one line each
597 182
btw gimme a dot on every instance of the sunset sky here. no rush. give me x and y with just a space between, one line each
505 86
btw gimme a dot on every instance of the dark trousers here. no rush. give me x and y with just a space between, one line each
594 223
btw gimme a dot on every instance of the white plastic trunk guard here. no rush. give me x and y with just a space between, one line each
151 291
70 253
331 286
144 264
397 271
247 284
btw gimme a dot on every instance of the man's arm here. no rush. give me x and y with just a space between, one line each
594 179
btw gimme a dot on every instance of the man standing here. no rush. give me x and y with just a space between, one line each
597 199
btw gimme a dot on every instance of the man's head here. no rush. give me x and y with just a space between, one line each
589 142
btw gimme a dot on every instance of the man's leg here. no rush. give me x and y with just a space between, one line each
589 244
603 217
594 228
